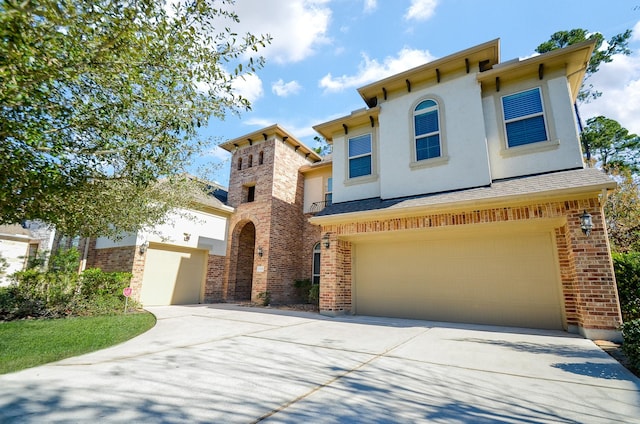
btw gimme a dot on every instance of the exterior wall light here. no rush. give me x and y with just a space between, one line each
260 253
143 247
325 241
586 223
187 236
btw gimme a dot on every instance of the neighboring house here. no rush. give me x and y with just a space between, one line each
455 195
180 262
20 243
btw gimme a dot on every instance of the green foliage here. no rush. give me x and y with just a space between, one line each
28 343
622 211
51 294
627 270
3 265
265 296
307 291
323 148
65 261
314 294
100 100
611 146
631 345
618 44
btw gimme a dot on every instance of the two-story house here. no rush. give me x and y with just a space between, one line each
458 193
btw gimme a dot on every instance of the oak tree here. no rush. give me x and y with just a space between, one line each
101 99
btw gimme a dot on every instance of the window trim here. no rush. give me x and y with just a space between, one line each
542 113
443 159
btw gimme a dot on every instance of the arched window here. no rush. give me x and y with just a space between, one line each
315 273
239 164
260 158
250 164
426 124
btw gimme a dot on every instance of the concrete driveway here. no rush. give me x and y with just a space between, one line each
225 363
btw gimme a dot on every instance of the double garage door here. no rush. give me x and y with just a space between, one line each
491 277
173 275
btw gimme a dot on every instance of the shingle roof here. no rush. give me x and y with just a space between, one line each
577 180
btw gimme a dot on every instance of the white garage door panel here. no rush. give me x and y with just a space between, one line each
172 276
490 279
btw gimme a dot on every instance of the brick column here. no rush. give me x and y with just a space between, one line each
597 304
335 277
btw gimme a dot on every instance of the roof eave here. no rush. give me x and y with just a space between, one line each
573 192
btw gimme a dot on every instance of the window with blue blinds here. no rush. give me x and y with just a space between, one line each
524 118
426 123
360 156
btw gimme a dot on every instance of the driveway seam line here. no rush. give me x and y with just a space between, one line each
336 378
511 374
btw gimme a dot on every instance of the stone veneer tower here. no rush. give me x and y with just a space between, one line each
265 252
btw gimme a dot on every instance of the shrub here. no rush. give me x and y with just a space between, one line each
307 291
627 270
314 294
265 296
631 345
60 293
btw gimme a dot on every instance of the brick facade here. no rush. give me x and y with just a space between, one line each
586 271
214 283
119 259
282 232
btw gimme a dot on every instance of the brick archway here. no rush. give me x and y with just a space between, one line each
244 241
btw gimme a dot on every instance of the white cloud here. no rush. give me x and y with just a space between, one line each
249 87
370 5
635 35
282 89
421 10
300 131
371 70
296 26
217 153
619 82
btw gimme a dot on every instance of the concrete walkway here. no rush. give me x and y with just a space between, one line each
225 364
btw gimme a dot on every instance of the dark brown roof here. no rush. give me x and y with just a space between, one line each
552 184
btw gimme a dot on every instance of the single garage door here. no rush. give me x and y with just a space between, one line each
173 275
495 277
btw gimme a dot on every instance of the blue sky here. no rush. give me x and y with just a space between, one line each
323 50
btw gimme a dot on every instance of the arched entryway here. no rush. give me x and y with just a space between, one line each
244 271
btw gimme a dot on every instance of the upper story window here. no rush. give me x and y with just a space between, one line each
328 192
360 156
426 121
239 164
260 158
524 118
250 162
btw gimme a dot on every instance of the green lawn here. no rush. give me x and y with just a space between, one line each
25 344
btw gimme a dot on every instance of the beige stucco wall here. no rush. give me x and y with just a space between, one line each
562 151
462 136
205 230
315 183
